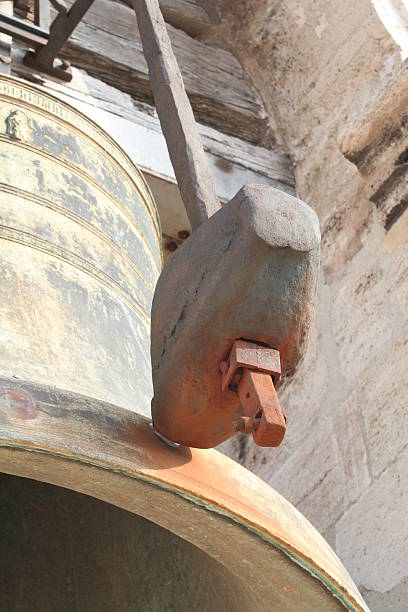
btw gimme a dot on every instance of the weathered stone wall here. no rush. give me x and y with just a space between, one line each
336 91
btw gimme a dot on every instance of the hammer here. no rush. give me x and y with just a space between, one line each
233 306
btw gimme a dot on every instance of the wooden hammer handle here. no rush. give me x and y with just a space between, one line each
186 152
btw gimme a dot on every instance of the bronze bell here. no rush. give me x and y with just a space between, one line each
96 512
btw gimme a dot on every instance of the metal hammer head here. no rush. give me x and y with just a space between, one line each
248 272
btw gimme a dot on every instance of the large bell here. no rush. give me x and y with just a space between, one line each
96 512
80 253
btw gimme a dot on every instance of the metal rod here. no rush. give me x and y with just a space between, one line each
61 29
23 30
176 117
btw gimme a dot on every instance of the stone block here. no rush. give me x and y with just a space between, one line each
400 273
308 466
352 447
394 600
327 501
395 245
384 401
365 314
372 537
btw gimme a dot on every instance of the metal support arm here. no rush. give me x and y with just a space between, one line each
25 31
61 29
46 43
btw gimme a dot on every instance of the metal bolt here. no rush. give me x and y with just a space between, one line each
171 246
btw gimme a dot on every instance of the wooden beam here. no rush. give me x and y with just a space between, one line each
186 15
61 29
103 102
176 117
107 45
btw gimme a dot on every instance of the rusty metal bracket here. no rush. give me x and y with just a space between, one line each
46 42
252 356
43 58
251 370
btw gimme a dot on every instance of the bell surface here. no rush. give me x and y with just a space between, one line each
80 253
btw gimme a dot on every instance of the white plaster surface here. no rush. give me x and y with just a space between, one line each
372 536
384 401
350 435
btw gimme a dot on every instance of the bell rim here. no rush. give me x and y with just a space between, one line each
108 444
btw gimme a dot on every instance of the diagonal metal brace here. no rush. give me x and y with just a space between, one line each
60 30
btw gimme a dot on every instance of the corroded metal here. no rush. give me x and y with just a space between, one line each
23 30
260 404
46 39
79 253
251 370
257 552
251 356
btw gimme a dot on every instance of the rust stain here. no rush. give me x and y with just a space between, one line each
17 404
249 355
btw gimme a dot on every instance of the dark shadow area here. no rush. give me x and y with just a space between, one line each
66 552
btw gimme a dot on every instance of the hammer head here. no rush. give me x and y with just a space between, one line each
248 272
